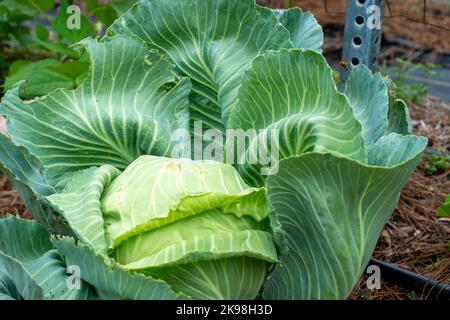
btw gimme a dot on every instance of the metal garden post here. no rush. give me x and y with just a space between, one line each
362 34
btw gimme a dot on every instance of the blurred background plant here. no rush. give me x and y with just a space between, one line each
444 208
436 162
404 72
36 44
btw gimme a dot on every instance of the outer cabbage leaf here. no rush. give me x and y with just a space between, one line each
36 269
128 106
211 41
80 205
154 191
398 117
369 98
235 278
378 113
292 91
328 213
8 290
305 32
33 268
24 172
110 280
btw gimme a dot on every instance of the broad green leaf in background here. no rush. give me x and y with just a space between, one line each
17 10
212 42
71 69
128 106
122 6
42 5
54 47
18 70
42 33
45 76
104 12
111 281
305 32
328 213
60 24
444 208
37 270
293 91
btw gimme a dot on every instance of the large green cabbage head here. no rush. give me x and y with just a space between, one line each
194 224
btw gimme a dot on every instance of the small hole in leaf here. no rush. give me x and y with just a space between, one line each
167 87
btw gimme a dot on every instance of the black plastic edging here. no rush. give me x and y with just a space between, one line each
431 289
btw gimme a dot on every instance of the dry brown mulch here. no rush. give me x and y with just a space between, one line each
10 202
414 238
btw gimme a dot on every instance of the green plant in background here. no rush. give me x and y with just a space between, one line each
37 42
288 3
444 208
400 73
436 163
92 163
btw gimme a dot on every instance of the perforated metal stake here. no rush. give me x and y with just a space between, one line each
362 34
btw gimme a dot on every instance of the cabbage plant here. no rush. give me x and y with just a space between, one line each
116 217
